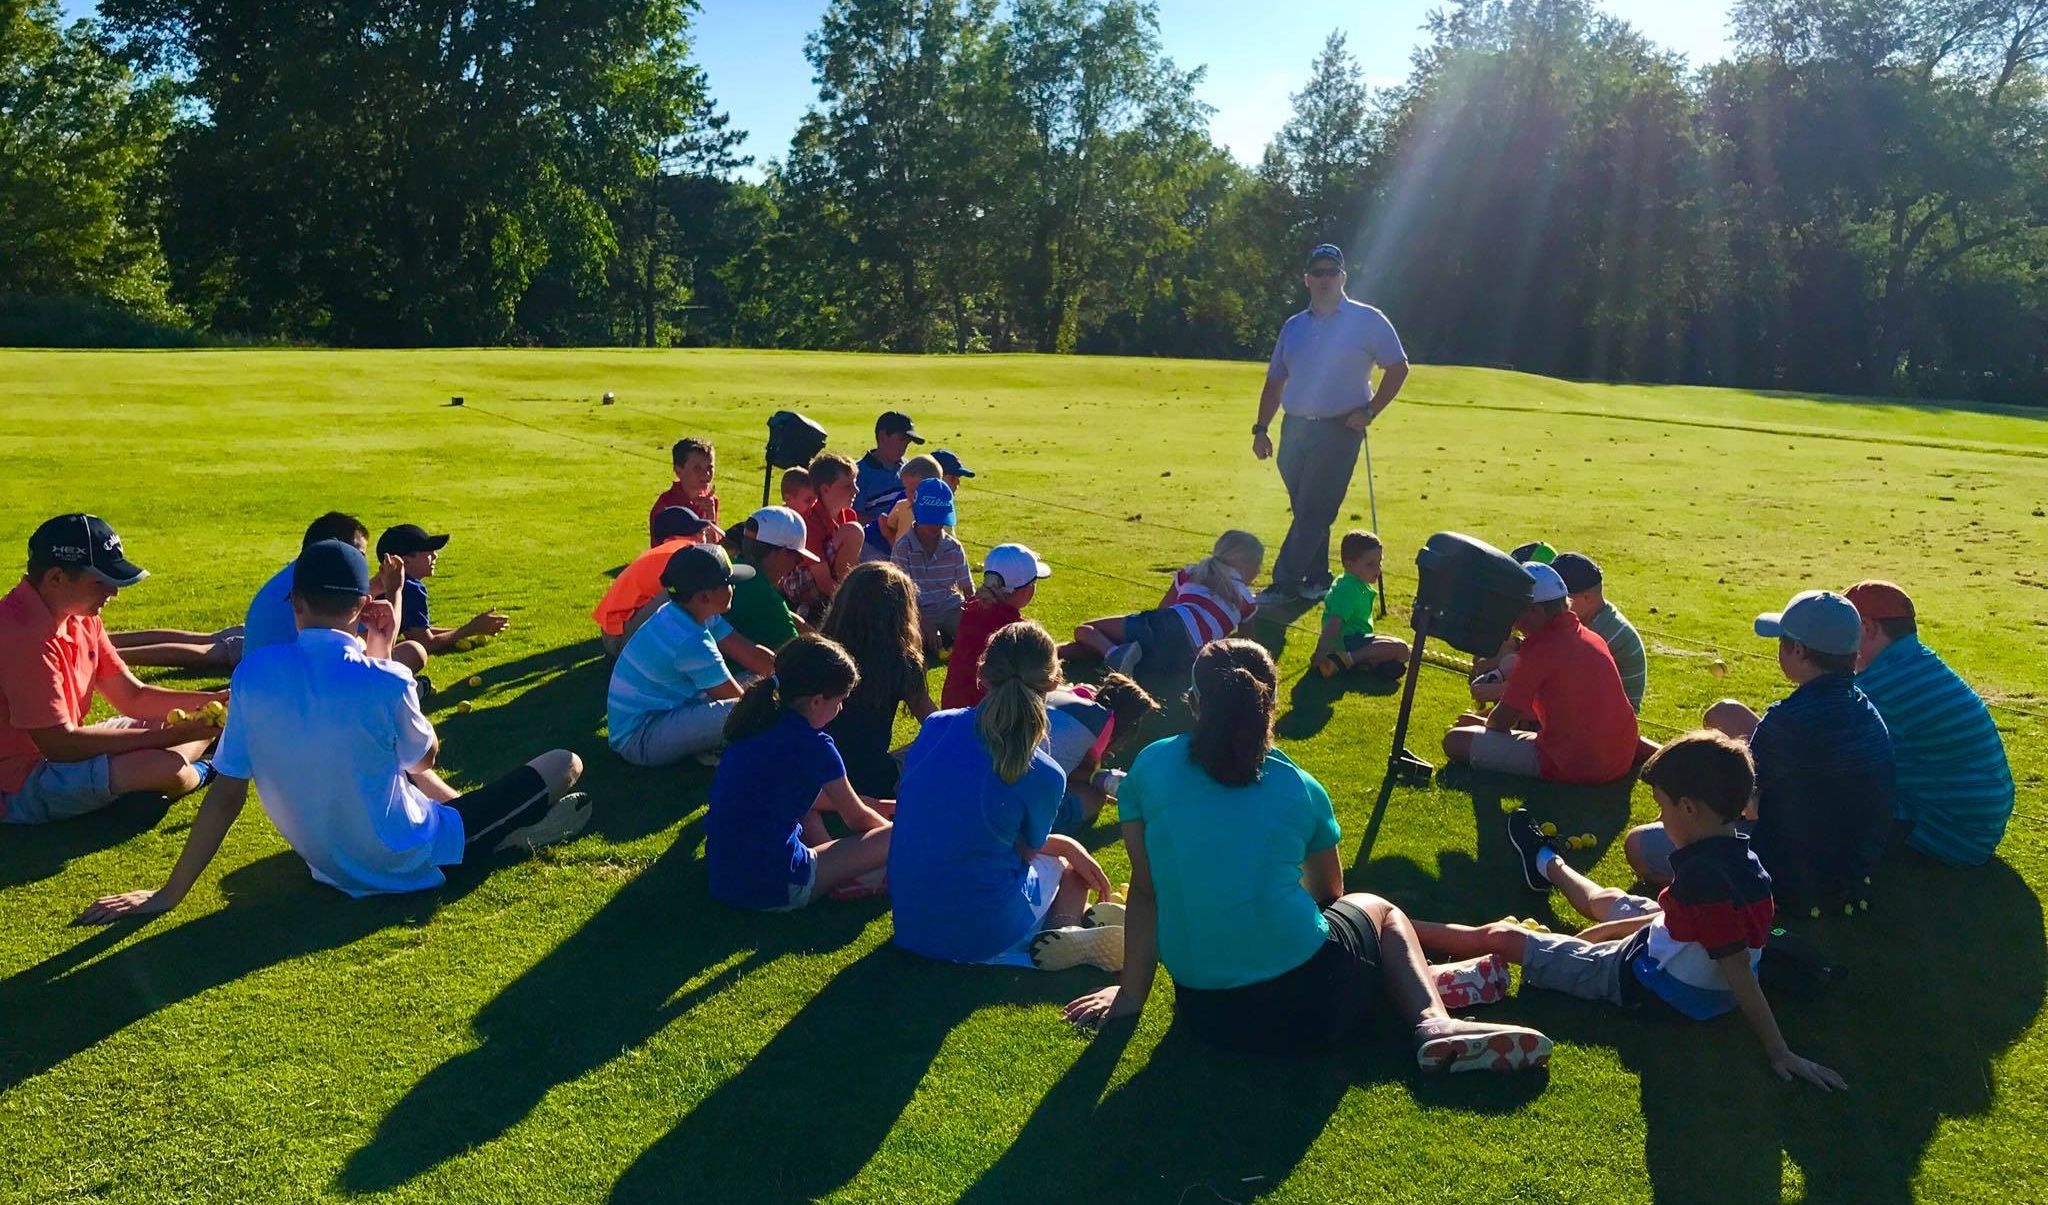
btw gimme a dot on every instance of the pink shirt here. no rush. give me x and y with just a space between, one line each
47 675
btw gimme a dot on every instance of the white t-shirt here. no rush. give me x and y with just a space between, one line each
327 734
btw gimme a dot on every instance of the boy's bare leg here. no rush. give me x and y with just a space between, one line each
1733 717
411 654
1382 649
1456 942
1070 902
1099 636
158 771
434 787
1588 898
1411 985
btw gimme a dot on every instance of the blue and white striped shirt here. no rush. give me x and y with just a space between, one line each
1954 784
671 660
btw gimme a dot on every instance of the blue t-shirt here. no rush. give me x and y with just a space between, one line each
412 612
1954 784
670 661
1226 864
753 843
877 487
956 878
1328 362
1824 783
270 619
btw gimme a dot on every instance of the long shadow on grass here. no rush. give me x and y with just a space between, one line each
1312 702
33 853
68 1003
604 991
847 1064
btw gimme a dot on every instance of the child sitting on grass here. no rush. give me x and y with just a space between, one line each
882 532
695 469
671 692
1693 951
874 619
1348 638
935 561
1082 723
1009 581
1207 601
765 844
831 530
421 555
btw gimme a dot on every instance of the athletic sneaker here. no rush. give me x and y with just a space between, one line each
1529 841
1073 946
1475 981
1124 658
563 821
1103 915
1276 595
1312 591
1494 1048
1109 782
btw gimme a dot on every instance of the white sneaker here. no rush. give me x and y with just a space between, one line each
1276 595
1313 592
1102 915
1109 782
563 821
1073 946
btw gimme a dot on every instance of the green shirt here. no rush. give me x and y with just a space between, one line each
1626 646
1226 864
760 613
1351 600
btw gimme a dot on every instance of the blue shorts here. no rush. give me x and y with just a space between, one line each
1165 640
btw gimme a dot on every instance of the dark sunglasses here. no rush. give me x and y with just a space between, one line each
1324 272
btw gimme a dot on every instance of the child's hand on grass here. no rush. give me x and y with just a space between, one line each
1790 1066
1103 1004
110 908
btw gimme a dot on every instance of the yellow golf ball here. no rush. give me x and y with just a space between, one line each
463 707
176 715
1549 829
476 680
1816 912
1719 668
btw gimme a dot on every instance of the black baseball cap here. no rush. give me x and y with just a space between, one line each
1326 251
81 541
673 521
895 422
331 571
1578 570
696 567
408 538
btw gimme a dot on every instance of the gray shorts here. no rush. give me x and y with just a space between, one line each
667 737
1559 962
1507 753
60 790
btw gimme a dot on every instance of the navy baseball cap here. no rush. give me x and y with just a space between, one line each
82 541
950 464
673 521
697 567
895 422
330 570
1579 571
1326 251
1822 620
408 538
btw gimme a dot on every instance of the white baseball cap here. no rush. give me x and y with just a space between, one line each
1015 566
783 528
1549 586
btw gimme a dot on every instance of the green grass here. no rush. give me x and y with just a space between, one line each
585 1026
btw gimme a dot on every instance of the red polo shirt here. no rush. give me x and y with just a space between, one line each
980 619
47 672
1566 678
820 524
705 508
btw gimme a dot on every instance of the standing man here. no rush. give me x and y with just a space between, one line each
1321 375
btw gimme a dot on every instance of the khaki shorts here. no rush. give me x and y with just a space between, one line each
1559 962
60 790
1507 753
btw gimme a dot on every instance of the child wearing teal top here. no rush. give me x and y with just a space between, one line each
1347 638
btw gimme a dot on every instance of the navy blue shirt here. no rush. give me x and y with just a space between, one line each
877 487
753 839
412 612
1824 781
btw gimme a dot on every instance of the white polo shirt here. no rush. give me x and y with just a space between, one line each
1328 362
327 733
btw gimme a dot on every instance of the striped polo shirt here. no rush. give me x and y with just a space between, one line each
1208 615
1823 791
1954 785
1623 641
672 660
941 575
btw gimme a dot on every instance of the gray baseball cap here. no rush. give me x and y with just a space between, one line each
1822 620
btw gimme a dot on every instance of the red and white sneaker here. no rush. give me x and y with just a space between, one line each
1483 1048
1475 981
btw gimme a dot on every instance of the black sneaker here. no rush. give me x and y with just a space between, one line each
1528 840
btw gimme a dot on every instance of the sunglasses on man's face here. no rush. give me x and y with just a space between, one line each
1324 273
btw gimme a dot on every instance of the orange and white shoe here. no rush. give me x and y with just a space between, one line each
1483 1048
1475 981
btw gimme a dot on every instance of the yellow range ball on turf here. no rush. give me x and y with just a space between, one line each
176 715
1549 829
1719 668
1816 912
476 680
463 708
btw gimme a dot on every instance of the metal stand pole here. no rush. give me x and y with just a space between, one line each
1403 765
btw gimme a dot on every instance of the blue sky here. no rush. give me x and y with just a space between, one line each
753 51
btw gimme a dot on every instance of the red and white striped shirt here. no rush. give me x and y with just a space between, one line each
1208 616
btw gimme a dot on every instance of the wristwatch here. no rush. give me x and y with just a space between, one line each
1258 428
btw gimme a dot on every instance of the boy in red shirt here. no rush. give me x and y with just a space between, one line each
695 469
1009 580
54 654
831 529
1565 680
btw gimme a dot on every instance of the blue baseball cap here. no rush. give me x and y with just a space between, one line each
331 571
950 464
933 503
1822 620
1328 251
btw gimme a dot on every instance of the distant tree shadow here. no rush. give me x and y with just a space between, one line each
62 1006
34 852
841 1071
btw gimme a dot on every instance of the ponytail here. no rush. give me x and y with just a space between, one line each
1019 667
806 666
1233 696
1237 554
1127 702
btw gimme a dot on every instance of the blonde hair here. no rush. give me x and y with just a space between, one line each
1238 552
1019 667
921 467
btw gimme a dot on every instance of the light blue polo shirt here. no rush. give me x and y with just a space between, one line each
670 661
1328 362
270 620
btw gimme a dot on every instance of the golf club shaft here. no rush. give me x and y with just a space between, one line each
1373 501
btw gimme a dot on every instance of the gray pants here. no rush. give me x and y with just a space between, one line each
1317 458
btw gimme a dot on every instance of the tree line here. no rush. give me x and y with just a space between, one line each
1856 199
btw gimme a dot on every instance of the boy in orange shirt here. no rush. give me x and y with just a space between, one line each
637 591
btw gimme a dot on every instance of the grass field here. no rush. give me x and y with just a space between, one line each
586 1026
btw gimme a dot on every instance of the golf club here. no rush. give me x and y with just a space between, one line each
1373 503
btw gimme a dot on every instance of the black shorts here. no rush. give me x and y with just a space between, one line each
1324 1001
502 805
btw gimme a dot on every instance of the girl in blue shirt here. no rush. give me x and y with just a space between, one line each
1237 886
765 842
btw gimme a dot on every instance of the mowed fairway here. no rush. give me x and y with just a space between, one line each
586 1026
